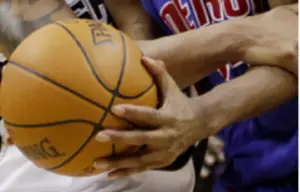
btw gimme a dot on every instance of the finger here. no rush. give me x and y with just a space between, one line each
209 159
215 147
119 173
130 162
156 137
205 172
217 153
216 142
142 115
121 163
158 69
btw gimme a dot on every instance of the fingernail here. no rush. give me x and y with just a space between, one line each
204 173
221 157
118 110
101 165
113 177
210 160
145 58
101 137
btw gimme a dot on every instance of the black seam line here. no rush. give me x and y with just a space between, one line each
103 117
50 124
57 84
114 91
117 93
66 88
95 131
124 59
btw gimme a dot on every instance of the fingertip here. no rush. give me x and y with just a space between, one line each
210 159
112 176
205 172
156 67
118 110
147 59
102 137
100 164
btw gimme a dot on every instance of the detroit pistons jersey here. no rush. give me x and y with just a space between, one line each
262 152
17 174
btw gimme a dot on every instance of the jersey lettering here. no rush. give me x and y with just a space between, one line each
236 8
177 14
201 13
173 18
225 70
183 15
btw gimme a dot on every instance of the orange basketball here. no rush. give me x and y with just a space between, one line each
58 89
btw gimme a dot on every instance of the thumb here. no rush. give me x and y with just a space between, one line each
164 80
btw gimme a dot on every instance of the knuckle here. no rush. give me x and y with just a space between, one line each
161 63
172 136
290 54
142 138
161 66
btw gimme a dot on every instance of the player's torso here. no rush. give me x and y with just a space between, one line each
254 142
20 175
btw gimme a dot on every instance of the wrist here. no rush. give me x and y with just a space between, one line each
208 112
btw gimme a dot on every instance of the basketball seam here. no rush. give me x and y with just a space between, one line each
92 68
50 124
105 111
95 131
115 93
53 82
113 147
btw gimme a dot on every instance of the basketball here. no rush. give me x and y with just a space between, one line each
58 89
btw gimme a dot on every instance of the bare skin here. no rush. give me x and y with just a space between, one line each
182 121
20 18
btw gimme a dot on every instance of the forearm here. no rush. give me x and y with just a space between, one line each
276 3
259 90
19 18
193 55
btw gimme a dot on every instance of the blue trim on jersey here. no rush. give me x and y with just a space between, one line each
151 8
260 150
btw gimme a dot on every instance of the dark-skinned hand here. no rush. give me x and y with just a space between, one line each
175 126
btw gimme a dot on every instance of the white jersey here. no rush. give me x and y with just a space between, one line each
17 174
